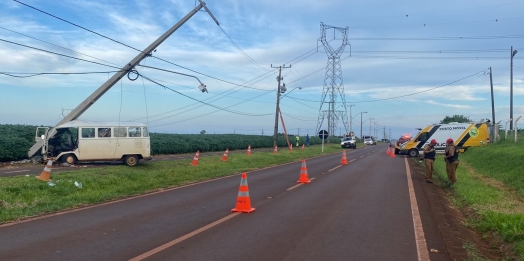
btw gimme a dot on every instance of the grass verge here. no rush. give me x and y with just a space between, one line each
490 181
26 196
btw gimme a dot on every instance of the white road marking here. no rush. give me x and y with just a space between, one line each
420 239
182 238
296 186
335 168
17 171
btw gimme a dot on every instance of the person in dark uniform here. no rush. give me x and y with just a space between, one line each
307 140
452 160
429 159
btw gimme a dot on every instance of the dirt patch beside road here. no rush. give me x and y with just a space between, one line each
461 242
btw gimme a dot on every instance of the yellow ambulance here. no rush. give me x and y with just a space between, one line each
464 134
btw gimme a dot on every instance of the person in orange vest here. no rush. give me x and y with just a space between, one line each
429 159
452 161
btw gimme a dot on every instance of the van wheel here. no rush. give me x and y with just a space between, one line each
69 159
131 160
413 153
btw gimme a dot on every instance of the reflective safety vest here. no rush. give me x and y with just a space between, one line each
430 155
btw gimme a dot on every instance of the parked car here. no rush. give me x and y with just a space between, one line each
348 142
370 141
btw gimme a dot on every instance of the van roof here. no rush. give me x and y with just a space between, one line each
83 123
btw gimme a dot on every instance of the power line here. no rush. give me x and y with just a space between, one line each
116 41
208 104
401 96
56 45
203 74
42 50
241 51
64 20
439 38
12 74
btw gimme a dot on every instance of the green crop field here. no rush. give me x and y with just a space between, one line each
17 140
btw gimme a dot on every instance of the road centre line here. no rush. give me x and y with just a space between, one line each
420 239
335 168
17 171
296 186
30 219
351 160
182 238
362 156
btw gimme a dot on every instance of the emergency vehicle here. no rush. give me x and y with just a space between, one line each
464 135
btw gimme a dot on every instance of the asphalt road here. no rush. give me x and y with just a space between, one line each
367 210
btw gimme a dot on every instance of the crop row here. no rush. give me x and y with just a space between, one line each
16 140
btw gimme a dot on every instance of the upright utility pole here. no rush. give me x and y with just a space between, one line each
351 118
333 82
513 52
279 78
493 137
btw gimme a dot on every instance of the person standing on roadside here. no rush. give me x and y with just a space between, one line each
429 159
298 140
452 160
307 140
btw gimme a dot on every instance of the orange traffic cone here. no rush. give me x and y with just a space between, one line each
249 150
302 146
224 157
243 201
303 173
344 159
290 147
387 151
195 159
46 173
275 150
392 153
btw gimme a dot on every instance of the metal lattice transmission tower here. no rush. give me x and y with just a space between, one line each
333 82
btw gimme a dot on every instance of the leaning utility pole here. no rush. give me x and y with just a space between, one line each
279 90
128 68
333 82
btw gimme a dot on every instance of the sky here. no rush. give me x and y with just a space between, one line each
407 64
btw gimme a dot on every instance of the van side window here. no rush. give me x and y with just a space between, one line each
423 137
104 132
135 131
120 132
88 132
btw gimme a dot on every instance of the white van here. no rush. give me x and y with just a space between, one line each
464 135
99 141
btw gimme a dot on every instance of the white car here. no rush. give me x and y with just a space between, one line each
369 141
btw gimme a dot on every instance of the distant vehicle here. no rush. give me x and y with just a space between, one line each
98 141
464 135
404 138
348 142
392 142
370 141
